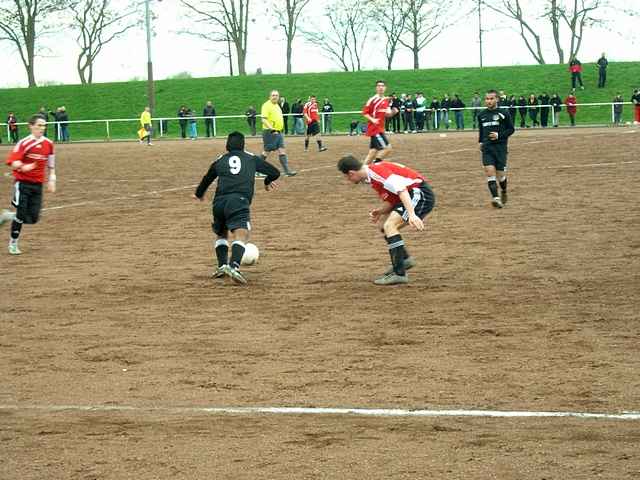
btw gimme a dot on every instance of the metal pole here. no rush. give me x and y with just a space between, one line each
214 127
108 132
613 113
480 28
151 95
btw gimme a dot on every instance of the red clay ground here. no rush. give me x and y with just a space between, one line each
534 307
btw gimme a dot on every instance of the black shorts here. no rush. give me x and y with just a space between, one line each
230 212
495 155
313 128
423 200
27 198
379 142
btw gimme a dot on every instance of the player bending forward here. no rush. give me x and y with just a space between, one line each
235 171
29 160
407 200
495 129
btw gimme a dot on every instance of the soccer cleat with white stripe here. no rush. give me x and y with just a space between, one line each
392 279
497 203
13 249
235 275
503 197
220 272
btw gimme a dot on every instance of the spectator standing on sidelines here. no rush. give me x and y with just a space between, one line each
476 104
327 110
63 118
533 109
403 98
409 110
571 102
603 63
44 113
56 125
272 127
286 110
556 104
522 109
12 121
145 123
618 105
575 67
459 114
513 110
435 111
208 113
421 107
395 107
193 124
251 119
298 123
544 109
445 105
635 99
182 115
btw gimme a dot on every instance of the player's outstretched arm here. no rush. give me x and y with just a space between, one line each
270 171
377 213
51 169
207 180
414 220
509 129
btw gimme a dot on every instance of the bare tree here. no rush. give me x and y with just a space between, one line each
575 17
425 20
288 19
98 23
343 35
389 17
229 22
20 24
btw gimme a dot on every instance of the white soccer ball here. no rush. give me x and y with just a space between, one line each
251 254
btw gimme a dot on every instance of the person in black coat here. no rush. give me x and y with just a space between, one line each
556 104
532 103
395 120
286 109
513 110
182 114
522 109
544 100
435 108
209 112
603 63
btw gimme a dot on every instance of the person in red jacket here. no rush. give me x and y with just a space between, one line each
571 102
407 199
575 67
33 163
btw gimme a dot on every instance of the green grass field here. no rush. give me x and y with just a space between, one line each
347 91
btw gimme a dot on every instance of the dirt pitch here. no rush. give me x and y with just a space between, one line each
531 308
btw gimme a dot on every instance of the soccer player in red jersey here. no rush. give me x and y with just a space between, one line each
375 111
407 198
312 119
30 160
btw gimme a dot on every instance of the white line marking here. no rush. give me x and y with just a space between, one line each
607 164
369 412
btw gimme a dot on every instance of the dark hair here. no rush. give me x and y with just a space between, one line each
380 81
235 141
349 163
493 91
35 118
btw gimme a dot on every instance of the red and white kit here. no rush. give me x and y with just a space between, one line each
376 107
310 110
389 179
33 150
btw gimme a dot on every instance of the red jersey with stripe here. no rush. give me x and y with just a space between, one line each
389 179
32 150
310 110
376 107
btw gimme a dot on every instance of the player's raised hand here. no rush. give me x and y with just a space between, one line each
272 186
416 222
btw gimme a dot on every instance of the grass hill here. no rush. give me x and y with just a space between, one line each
347 91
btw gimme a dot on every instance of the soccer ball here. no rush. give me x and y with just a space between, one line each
251 254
